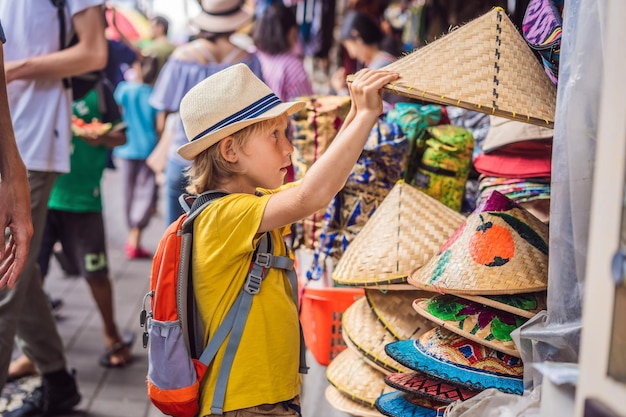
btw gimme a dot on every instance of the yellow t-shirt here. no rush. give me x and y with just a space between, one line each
265 367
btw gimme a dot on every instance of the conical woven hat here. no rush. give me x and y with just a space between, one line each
344 404
354 378
482 324
362 332
525 305
404 232
393 310
485 66
500 249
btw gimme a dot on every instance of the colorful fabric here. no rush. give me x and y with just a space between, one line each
518 190
378 168
542 29
313 130
445 164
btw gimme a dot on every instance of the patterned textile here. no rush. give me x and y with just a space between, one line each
445 164
314 128
519 190
379 167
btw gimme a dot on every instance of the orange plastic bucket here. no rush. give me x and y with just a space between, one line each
320 315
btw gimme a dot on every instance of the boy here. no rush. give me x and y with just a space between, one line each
236 130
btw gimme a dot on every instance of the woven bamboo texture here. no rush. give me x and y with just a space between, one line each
354 378
344 404
488 257
404 232
393 310
524 305
361 329
484 66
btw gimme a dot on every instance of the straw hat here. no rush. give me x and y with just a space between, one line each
459 360
505 131
354 378
222 16
404 232
525 305
421 384
401 404
344 404
225 103
482 324
364 334
500 249
484 66
393 310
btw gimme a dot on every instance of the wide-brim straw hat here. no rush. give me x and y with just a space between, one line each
504 132
225 103
394 312
402 404
222 16
460 361
366 335
524 305
484 66
482 324
421 384
404 232
344 404
500 249
356 379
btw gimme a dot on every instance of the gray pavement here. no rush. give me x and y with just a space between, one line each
122 392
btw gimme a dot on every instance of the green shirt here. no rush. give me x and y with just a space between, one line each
79 190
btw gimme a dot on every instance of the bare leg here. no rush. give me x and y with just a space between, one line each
102 292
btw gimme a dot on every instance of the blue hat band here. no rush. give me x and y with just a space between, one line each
249 112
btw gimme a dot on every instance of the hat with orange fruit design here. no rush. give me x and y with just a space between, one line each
500 249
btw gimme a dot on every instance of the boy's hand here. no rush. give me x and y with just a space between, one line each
366 89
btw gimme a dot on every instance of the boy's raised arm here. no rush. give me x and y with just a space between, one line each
328 175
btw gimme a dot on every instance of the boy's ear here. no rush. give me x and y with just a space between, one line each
227 149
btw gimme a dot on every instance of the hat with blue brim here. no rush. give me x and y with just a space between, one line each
459 360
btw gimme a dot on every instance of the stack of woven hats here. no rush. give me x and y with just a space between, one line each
485 281
403 234
491 274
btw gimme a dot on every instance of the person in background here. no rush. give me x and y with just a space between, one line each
275 35
140 187
189 64
75 212
14 192
361 36
41 107
158 46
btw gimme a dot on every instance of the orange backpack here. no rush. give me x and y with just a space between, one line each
177 357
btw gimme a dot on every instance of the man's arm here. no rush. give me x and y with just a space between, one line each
89 54
14 196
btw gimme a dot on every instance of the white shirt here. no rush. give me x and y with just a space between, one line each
41 109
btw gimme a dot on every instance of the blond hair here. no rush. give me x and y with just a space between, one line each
209 170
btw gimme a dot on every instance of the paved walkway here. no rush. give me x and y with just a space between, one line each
122 392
